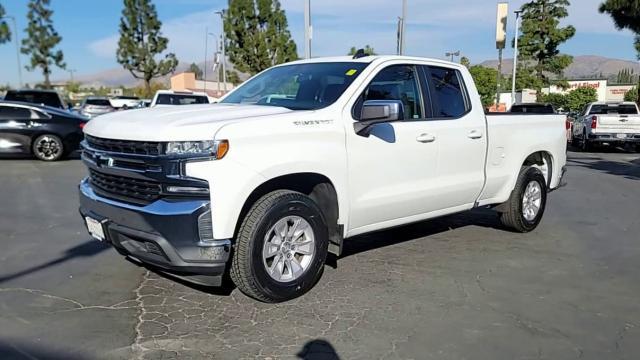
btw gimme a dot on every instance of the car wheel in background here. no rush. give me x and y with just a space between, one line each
281 247
525 207
48 147
585 144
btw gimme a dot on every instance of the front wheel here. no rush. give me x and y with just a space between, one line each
525 207
281 247
48 148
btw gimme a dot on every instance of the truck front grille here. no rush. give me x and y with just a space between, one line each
125 146
139 192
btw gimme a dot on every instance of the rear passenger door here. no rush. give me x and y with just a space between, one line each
459 131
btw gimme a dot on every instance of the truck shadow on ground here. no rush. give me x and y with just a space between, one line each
86 249
629 170
478 217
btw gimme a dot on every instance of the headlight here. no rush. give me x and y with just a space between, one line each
217 149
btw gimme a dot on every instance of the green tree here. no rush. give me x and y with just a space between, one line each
5 33
486 80
233 77
559 101
626 15
540 41
141 42
577 99
41 40
632 95
257 35
194 68
368 50
465 62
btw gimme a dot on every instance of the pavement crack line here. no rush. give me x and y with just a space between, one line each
77 305
137 347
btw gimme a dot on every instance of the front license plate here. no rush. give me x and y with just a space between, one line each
95 228
621 136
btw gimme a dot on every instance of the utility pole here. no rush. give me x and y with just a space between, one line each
515 58
402 21
15 33
223 39
308 30
501 40
206 50
71 71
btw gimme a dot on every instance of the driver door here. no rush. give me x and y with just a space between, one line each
392 170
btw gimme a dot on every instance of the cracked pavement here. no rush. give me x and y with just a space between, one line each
457 287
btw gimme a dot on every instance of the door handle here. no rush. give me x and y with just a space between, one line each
475 134
426 138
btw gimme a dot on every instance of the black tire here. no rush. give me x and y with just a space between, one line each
48 147
512 214
248 270
585 144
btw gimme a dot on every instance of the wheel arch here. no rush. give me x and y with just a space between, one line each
315 185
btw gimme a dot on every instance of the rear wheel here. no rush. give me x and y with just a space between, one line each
586 145
525 207
281 247
48 147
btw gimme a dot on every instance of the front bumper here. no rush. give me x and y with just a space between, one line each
163 234
614 138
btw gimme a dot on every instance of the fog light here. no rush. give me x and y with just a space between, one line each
187 190
205 227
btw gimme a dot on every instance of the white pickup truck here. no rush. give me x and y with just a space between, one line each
302 156
613 123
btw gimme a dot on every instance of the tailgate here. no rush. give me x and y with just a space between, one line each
619 123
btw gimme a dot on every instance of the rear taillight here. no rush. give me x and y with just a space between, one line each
567 124
81 125
594 122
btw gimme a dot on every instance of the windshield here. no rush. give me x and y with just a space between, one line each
298 87
613 109
180 99
98 102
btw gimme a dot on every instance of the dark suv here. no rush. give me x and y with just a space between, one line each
39 97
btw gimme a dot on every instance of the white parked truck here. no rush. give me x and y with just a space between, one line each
302 157
613 123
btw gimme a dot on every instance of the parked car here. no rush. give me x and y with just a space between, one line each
93 106
171 98
533 108
304 155
47 133
39 97
124 102
612 123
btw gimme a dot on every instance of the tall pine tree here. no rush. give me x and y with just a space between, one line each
5 33
257 35
626 15
540 40
141 41
41 40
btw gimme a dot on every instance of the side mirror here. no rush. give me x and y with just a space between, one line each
378 112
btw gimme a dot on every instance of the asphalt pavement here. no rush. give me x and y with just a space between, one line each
458 287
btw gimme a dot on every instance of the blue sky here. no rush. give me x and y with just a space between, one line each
90 30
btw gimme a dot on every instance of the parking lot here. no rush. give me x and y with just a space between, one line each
457 287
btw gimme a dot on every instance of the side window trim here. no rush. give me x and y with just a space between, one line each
463 88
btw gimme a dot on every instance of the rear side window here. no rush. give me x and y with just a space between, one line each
448 94
36 97
10 112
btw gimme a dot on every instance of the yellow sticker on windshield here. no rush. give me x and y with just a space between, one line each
351 72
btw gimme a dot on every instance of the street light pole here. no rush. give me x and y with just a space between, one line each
206 51
515 58
71 71
224 55
307 29
15 33
451 54
404 27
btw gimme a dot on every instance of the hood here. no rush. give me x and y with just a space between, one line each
176 123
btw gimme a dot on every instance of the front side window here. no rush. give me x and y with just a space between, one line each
298 87
397 82
448 93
